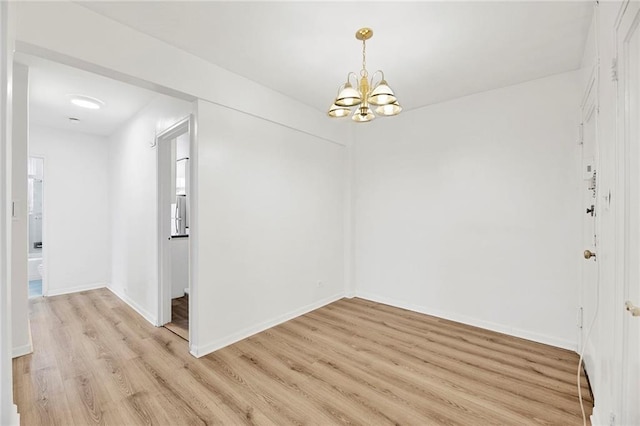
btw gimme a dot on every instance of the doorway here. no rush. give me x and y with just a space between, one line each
174 200
35 204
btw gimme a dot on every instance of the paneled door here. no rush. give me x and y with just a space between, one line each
589 284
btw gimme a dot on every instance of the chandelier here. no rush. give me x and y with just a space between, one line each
361 96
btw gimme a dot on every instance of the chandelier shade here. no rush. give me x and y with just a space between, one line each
382 94
361 95
339 111
391 109
348 96
363 114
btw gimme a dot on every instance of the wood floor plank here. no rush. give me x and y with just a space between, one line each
434 387
453 363
414 319
96 361
407 324
561 373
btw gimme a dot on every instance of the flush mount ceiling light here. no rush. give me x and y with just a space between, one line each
362 95
86 101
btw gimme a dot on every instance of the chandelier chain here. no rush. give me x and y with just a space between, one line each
363 71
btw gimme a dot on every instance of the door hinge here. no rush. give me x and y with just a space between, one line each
580 311
580 133
614 69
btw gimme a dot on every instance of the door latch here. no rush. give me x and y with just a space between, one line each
591 210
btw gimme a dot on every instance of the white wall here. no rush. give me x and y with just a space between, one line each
19 230
270 227
151 62
467 210
75 219
133 203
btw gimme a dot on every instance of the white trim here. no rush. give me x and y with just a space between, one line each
590 366
76 289
487 325
8 410
177 129
22 350
25 349
596 417
14 416
139 309
194 229
199 351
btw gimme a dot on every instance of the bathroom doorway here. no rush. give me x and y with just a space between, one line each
35 203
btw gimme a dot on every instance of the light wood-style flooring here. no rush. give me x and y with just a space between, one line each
96 361
180 317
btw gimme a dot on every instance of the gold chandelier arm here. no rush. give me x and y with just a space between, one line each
354 76
374 75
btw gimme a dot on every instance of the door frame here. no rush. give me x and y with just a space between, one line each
163 159
628 18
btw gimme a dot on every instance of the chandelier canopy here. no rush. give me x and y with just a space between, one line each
362 96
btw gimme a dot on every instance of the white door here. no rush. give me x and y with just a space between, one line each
628 45
588 293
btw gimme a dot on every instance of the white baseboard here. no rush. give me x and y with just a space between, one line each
24 349
597 419
202 350
589 359
76 289
500 328
135 306
15 416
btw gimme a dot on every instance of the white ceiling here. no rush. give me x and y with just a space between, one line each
49 105
429 51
